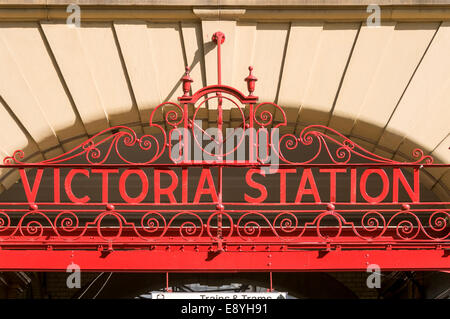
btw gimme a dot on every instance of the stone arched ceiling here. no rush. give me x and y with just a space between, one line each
387 87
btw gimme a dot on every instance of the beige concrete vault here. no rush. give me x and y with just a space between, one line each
387 87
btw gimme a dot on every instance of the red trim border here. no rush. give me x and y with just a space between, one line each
188 261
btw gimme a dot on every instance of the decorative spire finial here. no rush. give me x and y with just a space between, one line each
250 79
218 37
186 81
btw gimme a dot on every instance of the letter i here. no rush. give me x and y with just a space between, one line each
56 186
184 185
353 185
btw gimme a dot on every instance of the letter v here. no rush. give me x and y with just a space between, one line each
31 194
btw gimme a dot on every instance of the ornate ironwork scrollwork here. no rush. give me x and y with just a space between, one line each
313 227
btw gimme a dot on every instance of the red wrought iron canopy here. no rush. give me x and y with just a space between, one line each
248 198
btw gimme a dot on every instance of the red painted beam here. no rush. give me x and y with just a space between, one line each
191 261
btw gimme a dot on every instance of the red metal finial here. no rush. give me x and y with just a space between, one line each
218 36
251 79
186 81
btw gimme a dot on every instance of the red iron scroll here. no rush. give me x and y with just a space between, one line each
171 223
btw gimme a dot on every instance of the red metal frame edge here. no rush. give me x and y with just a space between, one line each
179 261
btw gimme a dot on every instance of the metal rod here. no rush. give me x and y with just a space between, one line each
167 282
271 286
